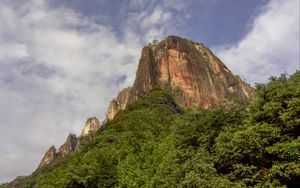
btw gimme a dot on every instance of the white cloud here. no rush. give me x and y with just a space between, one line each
12 50
271 47
157 16
157 20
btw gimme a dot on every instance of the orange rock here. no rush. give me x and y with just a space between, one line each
192 69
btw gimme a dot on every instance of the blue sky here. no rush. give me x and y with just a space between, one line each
62 61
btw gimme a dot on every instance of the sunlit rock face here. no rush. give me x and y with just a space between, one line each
195 75
117 104
92 125
49 156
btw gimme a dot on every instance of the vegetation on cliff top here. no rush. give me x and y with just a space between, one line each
153 143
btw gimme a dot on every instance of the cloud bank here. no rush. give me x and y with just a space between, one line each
271 47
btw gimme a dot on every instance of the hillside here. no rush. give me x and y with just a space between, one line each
193 124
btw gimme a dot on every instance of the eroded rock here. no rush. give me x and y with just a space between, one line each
49 156
69 146
117 104
92 125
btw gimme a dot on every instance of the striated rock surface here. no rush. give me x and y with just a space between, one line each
49 156
117 104
196 76
92 125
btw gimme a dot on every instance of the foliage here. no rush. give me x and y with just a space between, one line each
265 150
153 143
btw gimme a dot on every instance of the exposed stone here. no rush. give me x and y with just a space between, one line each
193 72
117 104
69 146
49 156
92 125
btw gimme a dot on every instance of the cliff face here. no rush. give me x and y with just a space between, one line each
196 76
91 126
117 104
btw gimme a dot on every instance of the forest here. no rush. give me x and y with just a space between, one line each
156 143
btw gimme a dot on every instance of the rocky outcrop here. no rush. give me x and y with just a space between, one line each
195 75
91 125
69 146
117 104
49 156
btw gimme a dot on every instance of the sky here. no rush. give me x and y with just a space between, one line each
62 61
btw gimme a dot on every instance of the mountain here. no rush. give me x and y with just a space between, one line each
192 70
187 121
195 75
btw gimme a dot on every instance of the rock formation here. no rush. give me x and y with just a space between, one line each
190 70
196 76
69 146
91 126
49 156
117 104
